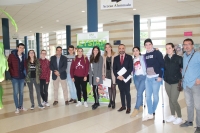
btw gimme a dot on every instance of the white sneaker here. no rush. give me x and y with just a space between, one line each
171 119
148 117
41 107
85 104
17 111
47 104
23 109
178 121
78 104
43 103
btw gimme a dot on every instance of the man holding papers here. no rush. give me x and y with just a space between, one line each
122 68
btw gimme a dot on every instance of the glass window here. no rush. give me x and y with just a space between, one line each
143 34
156 19
158 42
64 35
158 34
160 25
59 36
143 26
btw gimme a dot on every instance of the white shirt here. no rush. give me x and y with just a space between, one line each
20 57
138 67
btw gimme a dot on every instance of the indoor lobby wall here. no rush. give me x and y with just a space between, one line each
120 31
74 32
176 26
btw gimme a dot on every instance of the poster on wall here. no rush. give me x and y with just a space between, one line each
87 41
116 4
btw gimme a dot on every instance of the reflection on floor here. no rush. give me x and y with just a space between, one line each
72 119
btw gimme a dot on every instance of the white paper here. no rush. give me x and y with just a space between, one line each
107 82
128 78
122 71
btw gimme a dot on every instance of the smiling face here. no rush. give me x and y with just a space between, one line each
71 51
20 49
31 54
188 46
169 49
108 48
95 51
43 54
148 46
136 52
58 51
121 49
80 52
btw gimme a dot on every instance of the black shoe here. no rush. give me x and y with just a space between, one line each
55 103
154 114
95 106
71 100
113 105
66 103
109 105
121 109
128 111
186 124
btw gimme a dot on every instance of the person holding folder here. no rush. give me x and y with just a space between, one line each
122 68
107 73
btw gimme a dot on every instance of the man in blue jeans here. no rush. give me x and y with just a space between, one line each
72 88
155 63
191 83
16 63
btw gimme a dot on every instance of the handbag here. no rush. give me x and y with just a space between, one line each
180 83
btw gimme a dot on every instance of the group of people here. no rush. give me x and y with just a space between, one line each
149 70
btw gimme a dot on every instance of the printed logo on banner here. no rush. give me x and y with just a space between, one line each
116 4
92 36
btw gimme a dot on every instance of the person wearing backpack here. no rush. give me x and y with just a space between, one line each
79 72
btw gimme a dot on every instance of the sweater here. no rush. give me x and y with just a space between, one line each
155 63
79 67
173 66
45 70
17 68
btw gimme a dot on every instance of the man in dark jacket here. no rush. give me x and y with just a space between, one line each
58 66
17 65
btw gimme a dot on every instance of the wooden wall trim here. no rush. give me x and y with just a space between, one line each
181 35
183 17
118 23
123 30
183 26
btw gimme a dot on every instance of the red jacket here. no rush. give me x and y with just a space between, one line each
14 66
79 67
45 70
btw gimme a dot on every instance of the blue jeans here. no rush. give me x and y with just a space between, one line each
139 81
72 88
18 88
152 88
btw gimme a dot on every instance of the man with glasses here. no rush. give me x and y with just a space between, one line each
191 83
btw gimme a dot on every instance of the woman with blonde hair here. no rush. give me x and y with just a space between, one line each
107 72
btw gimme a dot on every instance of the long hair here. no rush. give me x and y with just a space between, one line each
29 58
105 52
95 59
137 49
172 45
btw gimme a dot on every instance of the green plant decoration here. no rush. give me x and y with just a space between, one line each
11 19
1 97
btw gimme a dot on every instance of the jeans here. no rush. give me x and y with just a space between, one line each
72 88
44 90
139 81
18 88
192 98
37 88
152 88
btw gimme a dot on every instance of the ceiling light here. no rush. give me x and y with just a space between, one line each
41 27
57 20
83 11
30 31
134 9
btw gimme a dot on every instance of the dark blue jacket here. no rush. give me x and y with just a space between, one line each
62 67
128 64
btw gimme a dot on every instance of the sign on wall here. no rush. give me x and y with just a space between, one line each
116 4
87 41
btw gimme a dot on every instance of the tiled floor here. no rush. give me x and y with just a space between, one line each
72 119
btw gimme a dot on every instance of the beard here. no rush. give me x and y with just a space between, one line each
122 52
